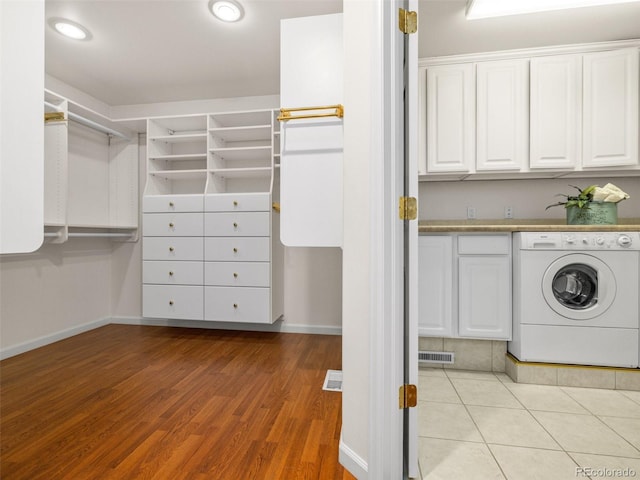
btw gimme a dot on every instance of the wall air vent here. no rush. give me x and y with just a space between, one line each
435 357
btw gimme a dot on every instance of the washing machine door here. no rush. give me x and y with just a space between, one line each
579 286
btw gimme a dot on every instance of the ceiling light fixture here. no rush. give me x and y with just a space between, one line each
498 8
69 29
226 10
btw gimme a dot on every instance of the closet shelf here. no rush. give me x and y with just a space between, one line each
243 153
181 137
88 123
239 134
179 174
258 172
180 156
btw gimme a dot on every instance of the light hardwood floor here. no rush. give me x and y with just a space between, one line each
132 402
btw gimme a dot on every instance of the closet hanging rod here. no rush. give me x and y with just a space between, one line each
89 235
285 113
90 123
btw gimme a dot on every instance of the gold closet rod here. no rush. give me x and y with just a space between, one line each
285 113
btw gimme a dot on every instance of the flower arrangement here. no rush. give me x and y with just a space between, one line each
592 205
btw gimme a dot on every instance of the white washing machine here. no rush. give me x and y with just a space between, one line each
576 298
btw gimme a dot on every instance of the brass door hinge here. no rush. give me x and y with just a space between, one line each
53 116
408 208
408 396
407 21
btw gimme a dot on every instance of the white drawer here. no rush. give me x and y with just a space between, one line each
236 304
484 244
238 202
240 224
237 274
239 249
173 273
172 224
172 203
173 301
167 248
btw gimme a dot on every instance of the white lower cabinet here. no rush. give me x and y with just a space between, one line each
465 286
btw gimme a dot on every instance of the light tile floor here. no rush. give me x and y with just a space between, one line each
479 425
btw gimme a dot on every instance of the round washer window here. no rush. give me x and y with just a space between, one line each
576 286
579 286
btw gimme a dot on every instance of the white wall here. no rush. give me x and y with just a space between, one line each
449 200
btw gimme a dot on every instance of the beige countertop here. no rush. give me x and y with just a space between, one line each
523 225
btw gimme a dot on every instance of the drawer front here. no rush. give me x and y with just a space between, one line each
173 301
240 249
237 274
172 224
173 273
172 203
241 224
238 202
483 244
166 248
231 304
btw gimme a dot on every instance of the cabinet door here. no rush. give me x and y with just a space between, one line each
502 115
484 297
435 283
610 130
450 118
555 111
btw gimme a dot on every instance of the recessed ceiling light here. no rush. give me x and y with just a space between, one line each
498 8
226 10
69 29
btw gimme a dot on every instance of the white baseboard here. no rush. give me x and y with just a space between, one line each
52 338
70 332
353 462
278 326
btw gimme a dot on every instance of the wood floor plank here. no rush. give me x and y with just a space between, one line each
138 402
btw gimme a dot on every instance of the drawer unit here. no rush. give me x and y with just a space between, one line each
240 249
231 304
237 274
238 202
173 301
173 224
167 248
172 273
241 224
172 203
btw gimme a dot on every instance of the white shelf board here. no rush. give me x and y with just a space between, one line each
242 134
181 138
180 156
259 172
243 153
179 174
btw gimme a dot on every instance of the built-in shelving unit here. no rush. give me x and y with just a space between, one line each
90 172
211 248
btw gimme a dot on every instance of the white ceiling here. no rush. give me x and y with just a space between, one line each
146 51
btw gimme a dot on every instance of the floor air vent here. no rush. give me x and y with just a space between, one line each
333 381
435 357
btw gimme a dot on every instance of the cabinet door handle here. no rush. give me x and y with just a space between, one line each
171 274
170 302
171 249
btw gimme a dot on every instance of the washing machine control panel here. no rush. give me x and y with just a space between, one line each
601 241
580 240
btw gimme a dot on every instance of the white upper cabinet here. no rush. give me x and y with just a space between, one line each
450 118
502 115
556 109
610 132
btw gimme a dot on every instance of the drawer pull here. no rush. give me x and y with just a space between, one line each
235 250
171 224
235 275
170 302
171 274
171 204
235 203
171 249
235 305
235 225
